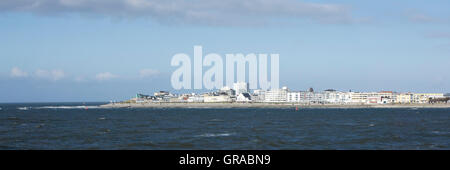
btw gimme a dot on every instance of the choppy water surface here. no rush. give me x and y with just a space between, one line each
71 126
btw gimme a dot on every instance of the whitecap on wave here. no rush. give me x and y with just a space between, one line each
215 135
23 108
440 133
68 107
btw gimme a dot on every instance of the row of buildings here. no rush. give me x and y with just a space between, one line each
240 93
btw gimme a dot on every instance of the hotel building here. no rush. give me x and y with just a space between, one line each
276 95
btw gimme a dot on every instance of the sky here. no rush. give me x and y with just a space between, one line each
102 50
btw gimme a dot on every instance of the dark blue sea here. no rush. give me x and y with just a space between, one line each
73 126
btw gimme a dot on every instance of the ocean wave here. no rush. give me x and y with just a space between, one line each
215 135
216 120
67 107
348 124
440 132
23 108
13 118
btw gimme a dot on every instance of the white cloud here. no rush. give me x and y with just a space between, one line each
105 76
17 72
425 17
148 73
79 79
51 75
422 18
209 12
39 74
445 35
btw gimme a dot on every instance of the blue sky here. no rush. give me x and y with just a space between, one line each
84 50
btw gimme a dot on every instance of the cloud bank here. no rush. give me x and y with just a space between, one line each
17 72
105 76
417 16
442 35
148 73
38 74
50 75
210 12
56 74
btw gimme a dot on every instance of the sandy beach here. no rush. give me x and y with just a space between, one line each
267 105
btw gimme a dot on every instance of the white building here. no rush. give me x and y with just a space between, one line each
259 95
276 95
195 99
404 98
425 97
294 97
387 97
306 97
217 99
227 90
358 97
241 87
244 97
336 97
383 97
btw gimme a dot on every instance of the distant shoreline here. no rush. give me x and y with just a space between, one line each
267 105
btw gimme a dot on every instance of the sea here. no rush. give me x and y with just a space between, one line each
80 126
